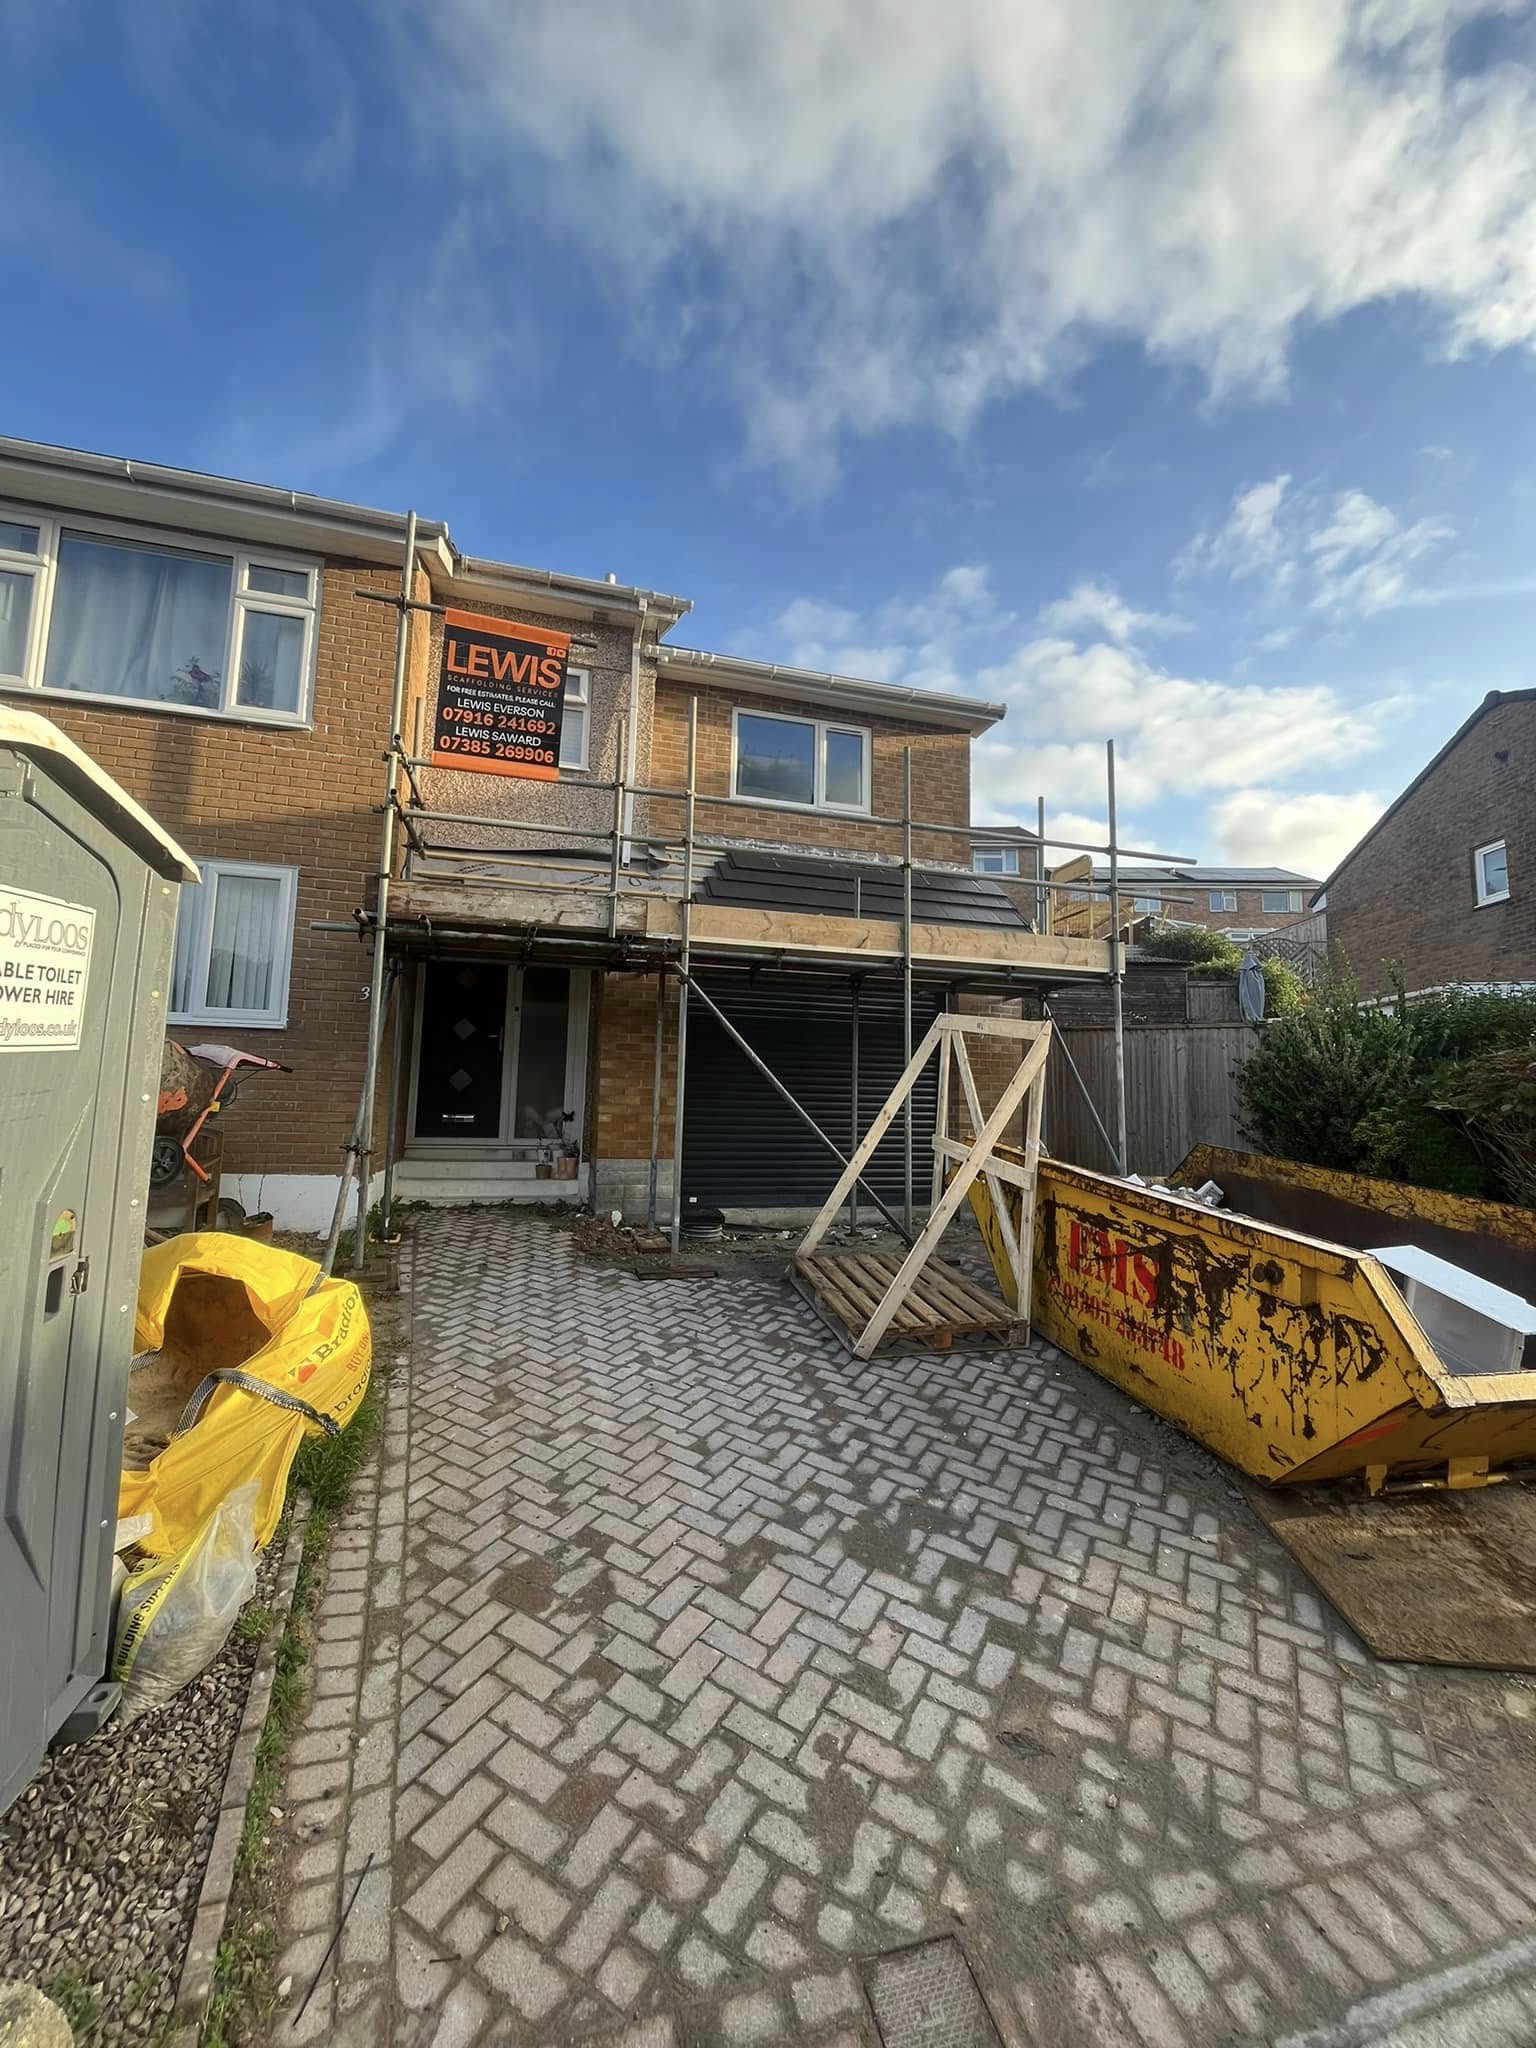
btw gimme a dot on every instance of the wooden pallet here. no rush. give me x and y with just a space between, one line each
846 1288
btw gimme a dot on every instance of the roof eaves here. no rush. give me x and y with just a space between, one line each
931 707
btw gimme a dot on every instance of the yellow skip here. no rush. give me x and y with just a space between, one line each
1292 1358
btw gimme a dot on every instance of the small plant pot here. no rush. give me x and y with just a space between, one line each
544 1170
258 1226
565 1168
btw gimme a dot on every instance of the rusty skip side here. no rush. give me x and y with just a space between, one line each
1293 1358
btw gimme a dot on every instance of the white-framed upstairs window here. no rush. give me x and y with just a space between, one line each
1222 900
814 764
995 860
120 615
576 720
1490 873
1279 902
1149 906
234 946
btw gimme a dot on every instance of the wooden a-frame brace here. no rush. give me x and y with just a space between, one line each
970 1161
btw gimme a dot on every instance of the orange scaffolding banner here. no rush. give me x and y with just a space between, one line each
500 697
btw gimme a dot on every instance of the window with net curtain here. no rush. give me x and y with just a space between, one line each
233 935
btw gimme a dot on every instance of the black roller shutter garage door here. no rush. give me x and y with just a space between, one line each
743 1146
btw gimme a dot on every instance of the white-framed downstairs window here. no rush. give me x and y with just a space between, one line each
1490 869
812 763
234 946
124 615
576 719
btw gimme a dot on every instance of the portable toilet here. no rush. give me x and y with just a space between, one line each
88 892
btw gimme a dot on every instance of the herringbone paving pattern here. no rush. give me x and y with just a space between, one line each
726 1664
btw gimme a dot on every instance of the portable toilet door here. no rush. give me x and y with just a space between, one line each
88 892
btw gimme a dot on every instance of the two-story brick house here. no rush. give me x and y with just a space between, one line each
220 648
1443 887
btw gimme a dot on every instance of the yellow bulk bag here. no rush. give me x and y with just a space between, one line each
244 1364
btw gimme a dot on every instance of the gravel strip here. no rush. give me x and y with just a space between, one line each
101 1858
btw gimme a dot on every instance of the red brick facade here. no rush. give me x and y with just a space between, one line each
1407 894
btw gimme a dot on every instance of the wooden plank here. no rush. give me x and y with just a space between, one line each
877 1273
1005 1231
859 1293
961 1309
979 1300
847 1306
811 932
1028 1072
1004 1169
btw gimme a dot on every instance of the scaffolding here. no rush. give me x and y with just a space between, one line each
620 896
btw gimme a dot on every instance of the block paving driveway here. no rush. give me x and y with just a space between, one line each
674 1669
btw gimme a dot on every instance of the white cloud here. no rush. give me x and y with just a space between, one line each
1095 607
1346 555
875 212
1310 833
1185 739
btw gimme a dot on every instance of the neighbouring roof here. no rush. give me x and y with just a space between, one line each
1491 702
746 880
1247 878
813 686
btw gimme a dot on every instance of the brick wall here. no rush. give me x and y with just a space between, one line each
1185 903
1408 895
941 779
299 797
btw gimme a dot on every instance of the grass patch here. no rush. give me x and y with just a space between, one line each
252 1623
244 1984
77 1999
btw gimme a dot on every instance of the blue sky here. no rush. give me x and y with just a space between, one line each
1162 367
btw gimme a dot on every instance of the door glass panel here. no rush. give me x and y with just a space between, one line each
543 1031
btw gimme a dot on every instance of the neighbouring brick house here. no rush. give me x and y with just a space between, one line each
1443 886
1242 903
220 649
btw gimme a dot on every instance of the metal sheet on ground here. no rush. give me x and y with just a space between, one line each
1441 1578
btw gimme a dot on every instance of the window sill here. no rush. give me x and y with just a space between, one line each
784 803
224 1022
284 721
1489 902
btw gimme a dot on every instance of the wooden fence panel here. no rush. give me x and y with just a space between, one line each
1179 1091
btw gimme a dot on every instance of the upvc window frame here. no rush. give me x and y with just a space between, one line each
821 727
1292 906
275 1016
1147 906
1484 895
1008 855
53 524
583 703
1221 902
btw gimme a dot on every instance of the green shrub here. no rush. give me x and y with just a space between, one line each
1211 952
1431 1091
1315 1075
1285 993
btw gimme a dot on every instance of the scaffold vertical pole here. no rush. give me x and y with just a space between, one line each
376 979
686 958
906 971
